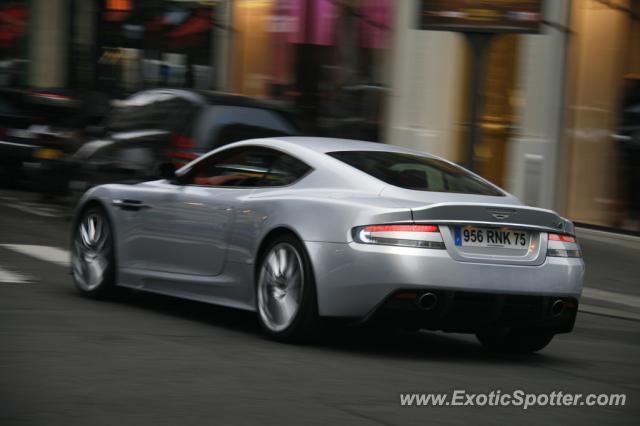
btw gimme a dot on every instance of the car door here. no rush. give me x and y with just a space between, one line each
188 224
126 162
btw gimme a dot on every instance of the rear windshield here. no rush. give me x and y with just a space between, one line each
220 125
415 172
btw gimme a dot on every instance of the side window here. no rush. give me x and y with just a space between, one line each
248 167
220 125
102 157
285 171
138 157
134 157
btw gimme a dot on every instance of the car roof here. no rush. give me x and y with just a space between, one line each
325 145
234 99
210 97
130 138
312 147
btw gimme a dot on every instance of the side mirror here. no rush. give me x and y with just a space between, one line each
167 171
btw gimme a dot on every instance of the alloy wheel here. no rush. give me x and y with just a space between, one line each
280 286
90 258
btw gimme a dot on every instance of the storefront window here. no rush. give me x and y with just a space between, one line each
604 115
153 43
328 57
498 112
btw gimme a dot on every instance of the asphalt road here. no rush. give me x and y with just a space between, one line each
67 360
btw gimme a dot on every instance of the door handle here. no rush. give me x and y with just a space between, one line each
129 204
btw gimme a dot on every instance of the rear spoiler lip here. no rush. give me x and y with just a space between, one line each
488 205
496 225
554 222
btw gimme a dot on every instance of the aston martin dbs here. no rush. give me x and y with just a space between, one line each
300 229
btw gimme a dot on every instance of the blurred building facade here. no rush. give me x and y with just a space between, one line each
14 43
561 112
559 107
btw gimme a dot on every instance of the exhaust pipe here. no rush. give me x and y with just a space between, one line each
557 308
427 302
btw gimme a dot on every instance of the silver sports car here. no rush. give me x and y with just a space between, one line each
300 229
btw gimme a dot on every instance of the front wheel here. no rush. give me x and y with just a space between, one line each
285 291
515 340
92 257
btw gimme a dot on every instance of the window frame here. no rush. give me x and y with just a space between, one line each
194 167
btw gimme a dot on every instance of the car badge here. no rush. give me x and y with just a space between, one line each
500 216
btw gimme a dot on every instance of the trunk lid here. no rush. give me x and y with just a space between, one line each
482 214
498 224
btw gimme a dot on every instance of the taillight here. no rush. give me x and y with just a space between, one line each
562 245
422 236
183 142
183 150
562 237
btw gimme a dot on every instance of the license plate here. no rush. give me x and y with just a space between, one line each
468 236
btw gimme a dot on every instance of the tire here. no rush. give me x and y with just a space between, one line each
515 340
92 255
285 291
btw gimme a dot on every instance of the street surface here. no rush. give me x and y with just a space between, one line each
67 360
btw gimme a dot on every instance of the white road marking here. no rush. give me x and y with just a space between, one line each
46 253
13 277
38 211
28 203
609 296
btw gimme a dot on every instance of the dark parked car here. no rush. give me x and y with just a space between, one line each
161 126
38 130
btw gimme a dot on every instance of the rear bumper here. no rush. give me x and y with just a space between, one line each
353 279
470 312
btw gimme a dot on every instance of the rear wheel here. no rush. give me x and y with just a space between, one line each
285 291
92 257
515 340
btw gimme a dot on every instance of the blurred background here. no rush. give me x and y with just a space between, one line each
560 114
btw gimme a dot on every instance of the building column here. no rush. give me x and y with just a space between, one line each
425 104
532 152
48 43
222 37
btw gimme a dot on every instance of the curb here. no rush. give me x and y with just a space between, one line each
630 241
608 312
